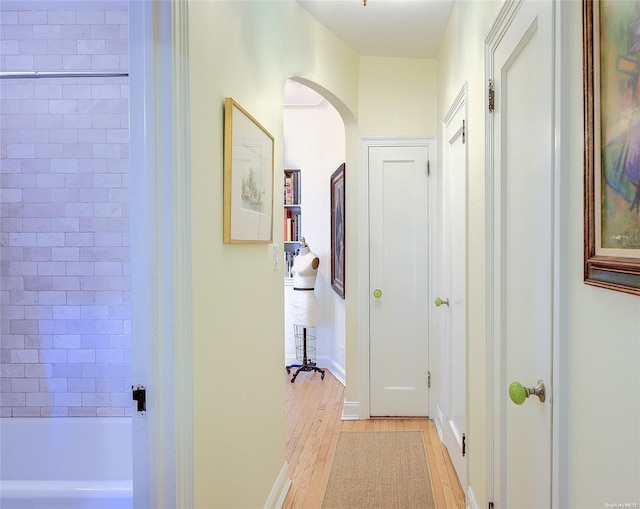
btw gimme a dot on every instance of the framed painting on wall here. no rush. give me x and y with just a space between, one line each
611 41
337 231
248 178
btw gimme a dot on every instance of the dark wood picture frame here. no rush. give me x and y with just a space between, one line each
337 230
606 265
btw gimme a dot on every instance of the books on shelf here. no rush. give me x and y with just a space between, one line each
292 226
291 187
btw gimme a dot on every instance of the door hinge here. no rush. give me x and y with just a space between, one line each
139 394
428 167
491 505
428 379
464 445
492 93
464 132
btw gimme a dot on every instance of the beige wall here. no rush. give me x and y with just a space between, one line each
244 50
397 97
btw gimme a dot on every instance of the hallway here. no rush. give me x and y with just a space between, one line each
313 420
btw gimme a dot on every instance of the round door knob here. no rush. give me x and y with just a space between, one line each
377 294
519 393
439 302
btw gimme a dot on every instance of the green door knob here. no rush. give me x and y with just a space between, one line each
377 294
439 302
518 393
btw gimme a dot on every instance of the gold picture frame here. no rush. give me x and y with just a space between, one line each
248 178
612 143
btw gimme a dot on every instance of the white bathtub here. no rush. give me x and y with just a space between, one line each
66 463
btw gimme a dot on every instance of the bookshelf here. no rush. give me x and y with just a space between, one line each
292 227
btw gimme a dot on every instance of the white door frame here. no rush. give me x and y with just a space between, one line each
161 253
458 105
560 282
361 408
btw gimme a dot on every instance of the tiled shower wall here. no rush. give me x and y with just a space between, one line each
64 212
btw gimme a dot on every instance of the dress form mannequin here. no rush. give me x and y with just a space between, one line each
305 272
304 306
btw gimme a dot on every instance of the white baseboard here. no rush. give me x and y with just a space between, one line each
471 499
439 422
351 411
279 489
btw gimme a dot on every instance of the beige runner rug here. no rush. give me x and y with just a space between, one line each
379 470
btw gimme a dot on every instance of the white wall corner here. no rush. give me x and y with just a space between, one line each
280 489
471 499
351 411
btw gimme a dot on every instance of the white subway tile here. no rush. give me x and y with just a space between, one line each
53 356
52 298
51 327
94 312
74 32
82 411
79 239
39 399
76 91
81 327
105 31
47 31
51 239
81 356
47 91
71 399
90 17
25 385
66 341
24 356
62 136
91 47
47 62
18 62
38 370
38 283
33 47
37 224
34 17
67 254
76 62
51 411
13 92
81 297
37 313
65 312
49 151
61 17
82 384
65 283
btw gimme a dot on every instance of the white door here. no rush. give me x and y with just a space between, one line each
521 258
453 315
398 349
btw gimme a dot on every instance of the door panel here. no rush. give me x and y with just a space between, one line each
522 255
398 197
454 255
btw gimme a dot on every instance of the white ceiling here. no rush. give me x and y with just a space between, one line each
385 28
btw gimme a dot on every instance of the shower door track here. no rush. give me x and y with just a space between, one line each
61 74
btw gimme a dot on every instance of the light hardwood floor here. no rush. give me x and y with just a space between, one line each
314 411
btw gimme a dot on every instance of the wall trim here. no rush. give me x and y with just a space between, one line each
471 499
351 411
363 289
279 490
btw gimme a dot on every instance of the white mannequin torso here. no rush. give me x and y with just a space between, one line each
305 269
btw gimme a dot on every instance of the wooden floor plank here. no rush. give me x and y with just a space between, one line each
313 422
